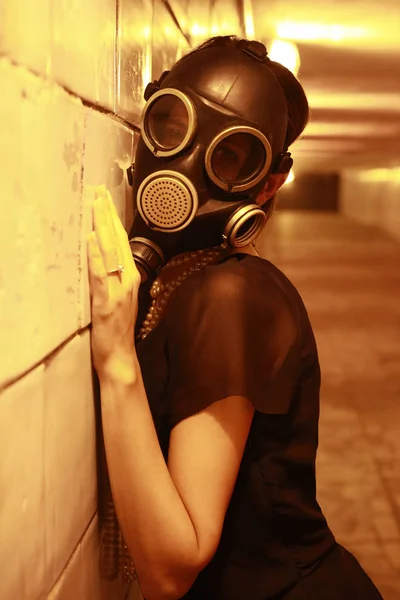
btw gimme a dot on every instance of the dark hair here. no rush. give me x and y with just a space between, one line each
298 111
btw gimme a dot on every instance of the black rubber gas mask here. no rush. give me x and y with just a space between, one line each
212 130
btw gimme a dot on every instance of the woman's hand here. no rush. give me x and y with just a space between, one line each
113 295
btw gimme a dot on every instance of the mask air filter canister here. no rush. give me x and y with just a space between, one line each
167 201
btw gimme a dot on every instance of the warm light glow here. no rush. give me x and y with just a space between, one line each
147 66
313 32
359 101
285 53
392 175
290 177
182 48
198 30
248 19
146 32
353 129
321 146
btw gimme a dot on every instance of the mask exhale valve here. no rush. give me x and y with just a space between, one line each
244 226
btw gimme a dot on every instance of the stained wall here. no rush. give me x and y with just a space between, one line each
72 77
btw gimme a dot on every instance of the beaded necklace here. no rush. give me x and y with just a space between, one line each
170 278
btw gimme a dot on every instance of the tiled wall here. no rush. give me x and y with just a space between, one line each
372 197
72 76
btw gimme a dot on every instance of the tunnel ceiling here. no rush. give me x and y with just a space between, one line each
352 77
350 68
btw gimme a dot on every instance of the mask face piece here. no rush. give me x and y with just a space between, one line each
209 137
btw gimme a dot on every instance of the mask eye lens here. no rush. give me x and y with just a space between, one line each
167 122
238 158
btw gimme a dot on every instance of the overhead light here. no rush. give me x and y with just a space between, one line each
392 175
354 129
359 101
317 32
285 53
321 146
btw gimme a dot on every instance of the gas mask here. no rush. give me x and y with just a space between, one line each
212 130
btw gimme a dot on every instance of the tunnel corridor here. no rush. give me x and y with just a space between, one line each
348 275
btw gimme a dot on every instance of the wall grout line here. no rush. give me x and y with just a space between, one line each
176 21
71 556
81 232
87 103
116 56
116 118
42 361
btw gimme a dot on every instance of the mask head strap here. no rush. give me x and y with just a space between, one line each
283 163
257 50
154 86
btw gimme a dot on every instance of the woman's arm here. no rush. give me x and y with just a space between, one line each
171 517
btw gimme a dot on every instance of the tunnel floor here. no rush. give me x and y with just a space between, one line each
349 277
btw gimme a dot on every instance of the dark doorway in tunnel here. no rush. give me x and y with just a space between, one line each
311 191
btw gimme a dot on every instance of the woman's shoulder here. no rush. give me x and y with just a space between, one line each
241 274
248 282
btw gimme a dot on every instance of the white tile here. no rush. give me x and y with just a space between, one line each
22 506
168 41
108 154
129 202
70 584
134 56
194 19
26 33
225 19
54 176
70 454
41 144
149 42
91 584
23 298
83 48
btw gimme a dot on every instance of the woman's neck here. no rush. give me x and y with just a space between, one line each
249 249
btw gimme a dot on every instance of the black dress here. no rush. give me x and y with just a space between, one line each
239 327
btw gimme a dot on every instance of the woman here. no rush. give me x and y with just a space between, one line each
211 422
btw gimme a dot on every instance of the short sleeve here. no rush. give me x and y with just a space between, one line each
230 332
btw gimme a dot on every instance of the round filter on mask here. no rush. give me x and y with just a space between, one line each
167 201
